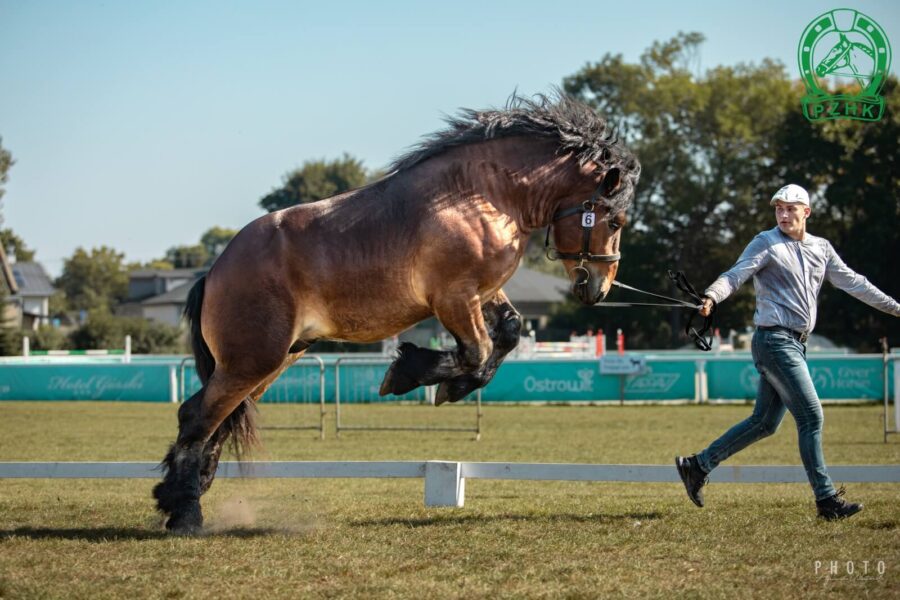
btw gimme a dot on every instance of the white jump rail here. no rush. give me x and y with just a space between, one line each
445 480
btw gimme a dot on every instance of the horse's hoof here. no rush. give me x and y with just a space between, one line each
187 522
452 390
441 396
397 382
385 388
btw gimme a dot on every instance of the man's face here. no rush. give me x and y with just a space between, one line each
791 217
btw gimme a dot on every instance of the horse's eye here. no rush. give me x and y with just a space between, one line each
615 225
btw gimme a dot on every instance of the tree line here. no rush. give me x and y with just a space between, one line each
714 146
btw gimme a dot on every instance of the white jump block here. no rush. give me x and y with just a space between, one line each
444 484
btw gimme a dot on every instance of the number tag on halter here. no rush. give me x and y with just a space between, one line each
587 219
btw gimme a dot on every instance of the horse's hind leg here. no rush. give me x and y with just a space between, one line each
198 419
416 366
504 325
214 446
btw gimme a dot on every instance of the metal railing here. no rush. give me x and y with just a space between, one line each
320 427
339 426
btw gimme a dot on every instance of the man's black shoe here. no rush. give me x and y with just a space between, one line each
836 507
693 476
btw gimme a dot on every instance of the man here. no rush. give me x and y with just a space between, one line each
788 267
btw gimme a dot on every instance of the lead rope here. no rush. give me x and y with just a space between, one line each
681 282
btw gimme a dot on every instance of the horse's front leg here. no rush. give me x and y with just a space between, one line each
505 326
417 366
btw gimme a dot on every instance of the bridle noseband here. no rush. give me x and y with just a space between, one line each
588 220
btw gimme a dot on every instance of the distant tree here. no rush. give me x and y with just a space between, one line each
58 304
187 257
195 256
215 239
314 181
10 240
94 281
103 330
157 264
850 167
705 142
48 337
6 161
9 337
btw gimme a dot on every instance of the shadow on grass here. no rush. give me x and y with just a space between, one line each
469 519
117 534
886 525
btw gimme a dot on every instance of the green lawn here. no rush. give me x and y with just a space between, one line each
329 538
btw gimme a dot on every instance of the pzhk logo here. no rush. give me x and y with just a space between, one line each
847 48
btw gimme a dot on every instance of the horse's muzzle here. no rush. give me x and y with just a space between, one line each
587 286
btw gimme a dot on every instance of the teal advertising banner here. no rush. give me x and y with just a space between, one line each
300 384
124 382
581 381
542 381
663 378
835 378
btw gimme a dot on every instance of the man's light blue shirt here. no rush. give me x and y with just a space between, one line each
788 274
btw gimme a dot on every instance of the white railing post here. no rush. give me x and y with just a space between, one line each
896 395
173 384
444 484
127 356
701 387
26 347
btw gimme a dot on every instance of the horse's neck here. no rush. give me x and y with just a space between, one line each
524 179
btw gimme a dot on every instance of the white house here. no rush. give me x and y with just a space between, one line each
32 301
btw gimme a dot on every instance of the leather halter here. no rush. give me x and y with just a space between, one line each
588 220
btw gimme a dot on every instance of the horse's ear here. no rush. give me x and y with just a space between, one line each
610 183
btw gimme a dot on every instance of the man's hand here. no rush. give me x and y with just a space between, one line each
707 306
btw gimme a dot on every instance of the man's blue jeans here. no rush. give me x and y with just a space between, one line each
784 383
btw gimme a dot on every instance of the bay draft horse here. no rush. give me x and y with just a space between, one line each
439 235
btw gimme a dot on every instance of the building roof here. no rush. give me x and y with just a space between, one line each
32 279
528 285
166 273
177 295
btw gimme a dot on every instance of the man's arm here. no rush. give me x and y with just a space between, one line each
844 278
754 257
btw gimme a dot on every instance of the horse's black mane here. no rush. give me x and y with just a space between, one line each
574 124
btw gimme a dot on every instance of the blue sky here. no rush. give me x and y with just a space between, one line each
139 125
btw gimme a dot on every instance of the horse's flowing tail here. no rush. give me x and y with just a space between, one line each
203 358
240 425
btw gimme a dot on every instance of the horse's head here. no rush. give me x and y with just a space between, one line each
586 234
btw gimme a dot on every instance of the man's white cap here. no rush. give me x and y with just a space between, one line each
791 193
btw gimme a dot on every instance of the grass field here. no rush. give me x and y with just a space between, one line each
374 538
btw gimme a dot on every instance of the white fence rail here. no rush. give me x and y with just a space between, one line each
445 480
